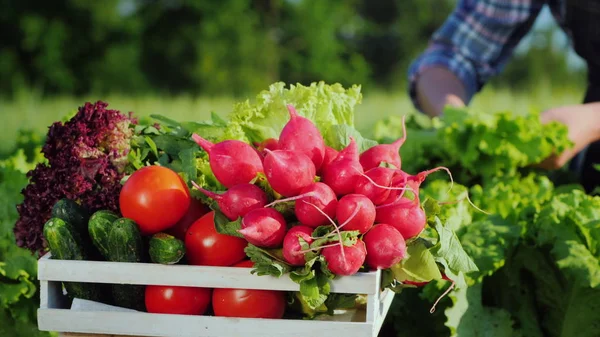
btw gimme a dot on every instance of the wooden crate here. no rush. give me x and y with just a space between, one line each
54 313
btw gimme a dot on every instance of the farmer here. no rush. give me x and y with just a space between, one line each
476 41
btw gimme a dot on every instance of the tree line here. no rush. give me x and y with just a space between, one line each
226 47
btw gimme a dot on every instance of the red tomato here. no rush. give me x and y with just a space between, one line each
196 210
155 197
177 300
248 303
245 264
205 246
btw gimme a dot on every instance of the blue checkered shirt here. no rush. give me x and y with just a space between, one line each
477 39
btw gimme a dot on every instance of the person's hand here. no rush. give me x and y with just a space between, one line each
583 122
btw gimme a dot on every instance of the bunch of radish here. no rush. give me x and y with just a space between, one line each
364 193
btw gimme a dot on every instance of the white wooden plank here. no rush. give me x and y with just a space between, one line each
44 295
183 275
385 304
157 325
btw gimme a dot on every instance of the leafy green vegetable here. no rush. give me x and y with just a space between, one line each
468 317
267 262
419 266
224 226
322 103
338 137
18 267
314 280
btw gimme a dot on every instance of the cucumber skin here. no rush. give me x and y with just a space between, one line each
166 249
125 245
99 228
71 212
77 216
65 244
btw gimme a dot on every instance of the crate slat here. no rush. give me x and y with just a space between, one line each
160 325
184 275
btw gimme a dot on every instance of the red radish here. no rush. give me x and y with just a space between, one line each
345 260
323 197
232 161
342 172
330 154
238 200
399 180
384 153
264 227
291 244
357 212
402 179
288 172
301 135
367 184
405 215
385 246
315 205
269 144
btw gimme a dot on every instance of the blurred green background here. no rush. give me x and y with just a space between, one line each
185 59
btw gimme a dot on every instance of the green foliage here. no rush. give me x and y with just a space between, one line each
18 267
230 47
536 246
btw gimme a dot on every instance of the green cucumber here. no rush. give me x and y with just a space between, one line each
99 227
65 244
166 249
125 245
78 217
73 213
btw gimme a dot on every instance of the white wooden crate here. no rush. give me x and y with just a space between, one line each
55 315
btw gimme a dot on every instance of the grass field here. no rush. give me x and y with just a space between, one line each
29 111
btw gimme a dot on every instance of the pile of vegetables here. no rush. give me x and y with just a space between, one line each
285 186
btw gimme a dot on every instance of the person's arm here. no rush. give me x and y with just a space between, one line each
472 45
438 87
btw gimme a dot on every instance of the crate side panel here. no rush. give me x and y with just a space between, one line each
155 325
182 275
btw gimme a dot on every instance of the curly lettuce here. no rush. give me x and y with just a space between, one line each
324 104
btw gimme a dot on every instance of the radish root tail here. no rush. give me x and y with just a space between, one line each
337 229
432 310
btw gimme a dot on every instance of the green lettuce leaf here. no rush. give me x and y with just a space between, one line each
467 317
489 242
322 103
338 137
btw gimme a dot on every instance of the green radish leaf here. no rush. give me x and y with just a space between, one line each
389 281
419 266
313 281
340 301
164 160
266 262
224 226
173 145
152 145
349 238
188 163
166 120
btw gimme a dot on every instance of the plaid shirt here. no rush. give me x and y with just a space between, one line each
478 38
